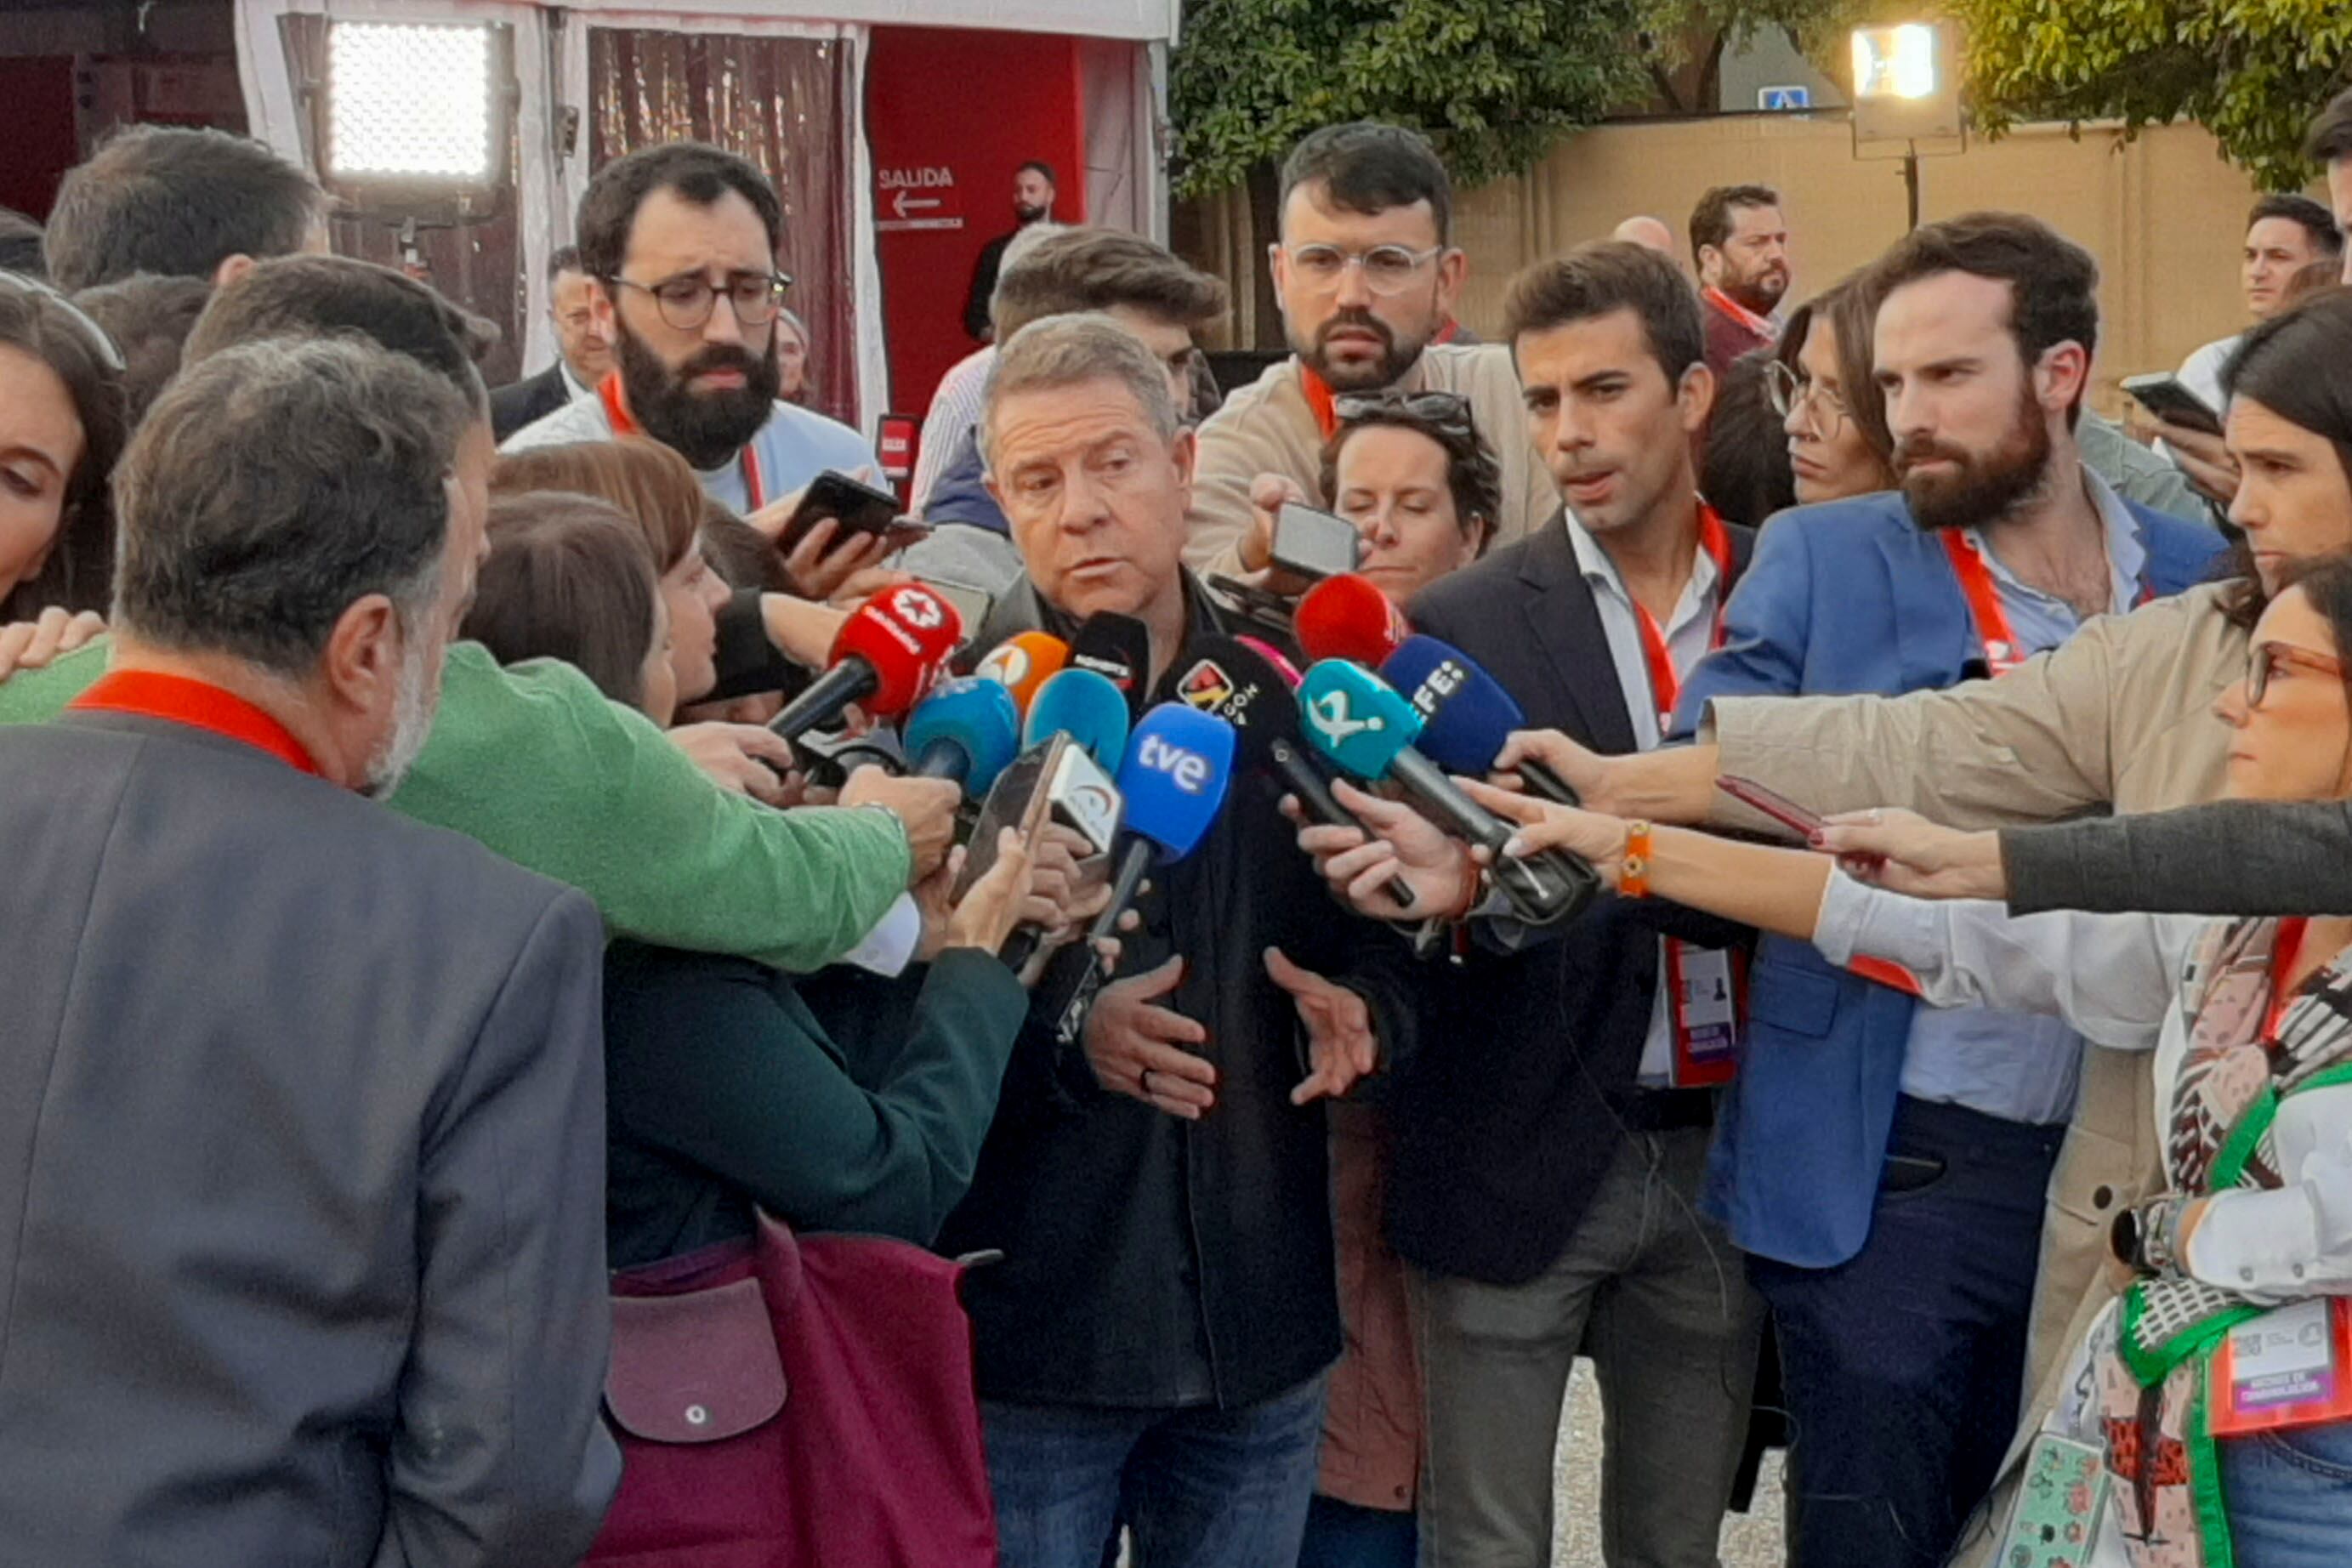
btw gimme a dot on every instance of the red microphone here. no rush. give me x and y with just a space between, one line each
1347 617
888 652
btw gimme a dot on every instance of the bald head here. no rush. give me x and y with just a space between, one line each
1646 232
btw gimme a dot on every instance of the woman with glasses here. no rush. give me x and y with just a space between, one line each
62 425
2216 1393
1821 385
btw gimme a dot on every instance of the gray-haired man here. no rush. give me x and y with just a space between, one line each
301 1224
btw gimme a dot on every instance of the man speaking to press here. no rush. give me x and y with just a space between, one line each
1153 1344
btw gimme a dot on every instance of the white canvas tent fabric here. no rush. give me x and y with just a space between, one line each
1125 77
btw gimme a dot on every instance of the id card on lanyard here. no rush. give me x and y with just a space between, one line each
617 411
2002 651
1706 987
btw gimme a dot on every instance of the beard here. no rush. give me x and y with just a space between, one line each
1987 486
414 700
1763 292
1395 359
706 428
1028 213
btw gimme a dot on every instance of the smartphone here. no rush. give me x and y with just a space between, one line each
2169 397
1777 806
860 508
1314 543
971 602
1263 611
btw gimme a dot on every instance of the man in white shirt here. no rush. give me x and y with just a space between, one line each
2284 233
680 240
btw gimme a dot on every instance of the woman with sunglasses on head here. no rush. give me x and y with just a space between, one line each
2246 1251
1420 483
62 425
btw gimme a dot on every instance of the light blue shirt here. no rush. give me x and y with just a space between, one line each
2020 1066
794 445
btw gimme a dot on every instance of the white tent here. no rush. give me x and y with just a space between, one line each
1125 104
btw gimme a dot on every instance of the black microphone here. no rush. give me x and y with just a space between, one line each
1119 648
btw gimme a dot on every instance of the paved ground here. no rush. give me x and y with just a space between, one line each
1750 1539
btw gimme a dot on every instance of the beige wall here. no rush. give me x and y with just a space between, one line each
2164 215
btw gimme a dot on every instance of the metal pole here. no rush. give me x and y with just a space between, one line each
1911 180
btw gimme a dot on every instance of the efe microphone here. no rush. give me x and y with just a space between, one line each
1467 715
886 656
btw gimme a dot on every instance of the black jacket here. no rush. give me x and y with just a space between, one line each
1508 1118
1151 1262
526 401
982 292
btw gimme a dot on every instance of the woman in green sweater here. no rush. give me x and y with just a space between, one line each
840 1103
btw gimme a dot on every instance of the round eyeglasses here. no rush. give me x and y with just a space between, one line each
1789 391
1387 268
685 301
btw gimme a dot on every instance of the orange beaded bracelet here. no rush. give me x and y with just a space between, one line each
1634 875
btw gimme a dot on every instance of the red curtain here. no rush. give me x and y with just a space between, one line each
783 103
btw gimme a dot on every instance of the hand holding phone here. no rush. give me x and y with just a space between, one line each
1785 812
2171 399
1314 544
856 507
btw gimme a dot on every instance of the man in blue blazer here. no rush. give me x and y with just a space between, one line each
1885 1165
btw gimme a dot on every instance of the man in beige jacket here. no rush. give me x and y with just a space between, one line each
2119 717
1367 277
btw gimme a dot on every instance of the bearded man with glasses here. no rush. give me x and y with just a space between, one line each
680 240
1368 282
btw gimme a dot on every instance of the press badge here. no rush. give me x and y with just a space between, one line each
1709 987
2290 1367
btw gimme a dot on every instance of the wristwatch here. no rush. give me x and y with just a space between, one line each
2145 1237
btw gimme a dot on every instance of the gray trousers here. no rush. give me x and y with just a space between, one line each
1658 1298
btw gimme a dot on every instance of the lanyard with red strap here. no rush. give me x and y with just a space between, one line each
1320 401
2002 651
2286 947
616 409
1665 681
1759 325
151 694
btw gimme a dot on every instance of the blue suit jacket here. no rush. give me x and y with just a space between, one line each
1849 596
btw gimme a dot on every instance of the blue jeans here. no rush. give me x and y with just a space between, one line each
1904 1365
1347 1535
2289 1496
1199 1488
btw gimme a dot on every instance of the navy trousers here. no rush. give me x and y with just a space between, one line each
1904 1365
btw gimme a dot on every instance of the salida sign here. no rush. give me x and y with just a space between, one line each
916 196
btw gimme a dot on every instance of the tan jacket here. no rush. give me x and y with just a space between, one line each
2119 716
1267 427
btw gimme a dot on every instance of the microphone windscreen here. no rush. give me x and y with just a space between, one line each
977 717
1119 648
1347 617
1273 656
1348 715
1023 664
1178 764
907 634
1240 685
1465 713
1084 706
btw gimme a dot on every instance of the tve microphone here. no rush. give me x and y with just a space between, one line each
966 731
1365 726
1118 649
1252 691
1023 664
1084 706
886 655
1466 716
1347 617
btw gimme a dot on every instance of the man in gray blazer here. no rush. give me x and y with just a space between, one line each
301 1122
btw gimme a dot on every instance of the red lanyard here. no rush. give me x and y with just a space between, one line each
1320 401
153 694
2002 652
1666 682
1759 325
616 409
2286 947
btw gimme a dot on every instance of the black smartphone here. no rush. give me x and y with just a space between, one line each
1314 543
2169 397
860 508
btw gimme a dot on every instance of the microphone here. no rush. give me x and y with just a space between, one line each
1369 731
1084 706
1119 648
1249 685
886 655
1466 716
1174 777
1347 617
1023 664
967 731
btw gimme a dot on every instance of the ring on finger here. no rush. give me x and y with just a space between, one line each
1143 1081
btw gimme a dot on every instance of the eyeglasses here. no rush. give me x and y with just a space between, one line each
685 302
1388 269
2267 658
100 345
1450 409
1789 391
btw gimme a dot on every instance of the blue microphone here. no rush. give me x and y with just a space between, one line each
1466 716
1084 705
967 730
1360 723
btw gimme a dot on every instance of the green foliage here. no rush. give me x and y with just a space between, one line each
1494 83
2251 72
